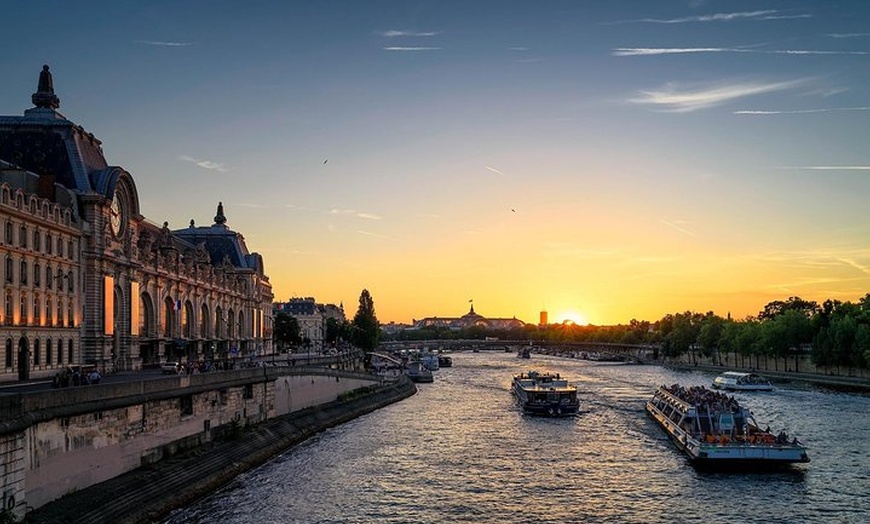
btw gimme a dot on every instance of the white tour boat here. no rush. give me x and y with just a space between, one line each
715 431
545 394
739 381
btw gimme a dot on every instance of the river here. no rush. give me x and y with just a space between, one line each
460 450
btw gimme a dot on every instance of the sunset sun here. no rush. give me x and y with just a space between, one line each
572 317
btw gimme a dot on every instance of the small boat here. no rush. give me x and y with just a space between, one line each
737 381
524 352
430 360
713 430
417 372
444 361
545 394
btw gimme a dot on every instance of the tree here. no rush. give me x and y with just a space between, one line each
366 328
285 330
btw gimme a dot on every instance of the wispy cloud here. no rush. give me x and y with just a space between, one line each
376 235
674 98
766 14
394 33
673 225
205 164
848 35
827 168
164 44
358 214
799 111
656 51
494 170
411 48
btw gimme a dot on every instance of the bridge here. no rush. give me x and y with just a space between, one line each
639 352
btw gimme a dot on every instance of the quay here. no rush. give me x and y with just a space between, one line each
125 451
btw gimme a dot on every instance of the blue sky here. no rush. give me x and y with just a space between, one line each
602 160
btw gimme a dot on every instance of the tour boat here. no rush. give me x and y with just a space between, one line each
713 430
737 381
444 361
545 394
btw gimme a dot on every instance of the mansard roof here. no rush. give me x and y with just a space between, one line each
223 244
45 142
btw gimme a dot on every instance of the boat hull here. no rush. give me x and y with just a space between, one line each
546 398
728 456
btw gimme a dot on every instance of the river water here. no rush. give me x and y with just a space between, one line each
460 450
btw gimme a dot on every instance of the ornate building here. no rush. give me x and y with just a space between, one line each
89 281
468 320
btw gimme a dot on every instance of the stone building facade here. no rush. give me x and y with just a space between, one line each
88 280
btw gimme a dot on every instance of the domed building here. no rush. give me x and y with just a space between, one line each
88 280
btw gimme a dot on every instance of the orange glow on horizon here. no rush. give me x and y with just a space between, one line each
572 317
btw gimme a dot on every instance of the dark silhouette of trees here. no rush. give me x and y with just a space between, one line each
285 330
366 329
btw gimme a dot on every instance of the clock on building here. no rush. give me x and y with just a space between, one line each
118 219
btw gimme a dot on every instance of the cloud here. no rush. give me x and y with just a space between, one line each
376 235
164 44
411 48
799 111
674 226
367 216
673 98
656 51
848 35
206 164
766 14
393 33
828 168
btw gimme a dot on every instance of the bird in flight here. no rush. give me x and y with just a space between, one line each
325 161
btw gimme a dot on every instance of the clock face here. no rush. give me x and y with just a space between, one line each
118 217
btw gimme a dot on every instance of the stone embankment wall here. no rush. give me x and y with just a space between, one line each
57 442
147 494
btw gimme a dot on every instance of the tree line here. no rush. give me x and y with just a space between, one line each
362 332
834 333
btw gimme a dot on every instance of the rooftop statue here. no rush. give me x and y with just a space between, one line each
44 96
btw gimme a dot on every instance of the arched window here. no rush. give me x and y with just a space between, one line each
187 320
36 351
9 272
60 312
218 322
9 233
49 243
169 317
147 320
59 247
23 309
69 250
48 352
70 283
60 351
49 311
37 273
231 324
37 310
22 275
203 321
37 241
70 318
9 353
69 351
9 307
22 236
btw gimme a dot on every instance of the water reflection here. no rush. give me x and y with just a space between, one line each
462 451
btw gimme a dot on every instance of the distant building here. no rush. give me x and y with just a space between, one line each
543 321
87 279
311 317
468 320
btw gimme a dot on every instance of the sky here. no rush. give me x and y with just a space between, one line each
600 160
